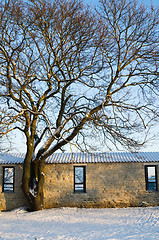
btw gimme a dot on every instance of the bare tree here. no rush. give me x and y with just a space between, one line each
66 70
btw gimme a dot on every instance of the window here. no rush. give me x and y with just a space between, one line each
151 178
79 179
8 179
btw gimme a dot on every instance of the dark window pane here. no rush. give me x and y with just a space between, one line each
79 179
8 179
151 185
151 178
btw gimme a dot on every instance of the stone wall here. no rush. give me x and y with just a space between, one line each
107 185
12 200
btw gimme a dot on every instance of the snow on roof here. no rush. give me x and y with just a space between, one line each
106 157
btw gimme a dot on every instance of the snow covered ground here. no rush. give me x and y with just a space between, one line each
80 224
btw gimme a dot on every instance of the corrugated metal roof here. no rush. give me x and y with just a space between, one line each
82 158
11 158
103 157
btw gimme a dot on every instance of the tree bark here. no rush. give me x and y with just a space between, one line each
39 174
27 177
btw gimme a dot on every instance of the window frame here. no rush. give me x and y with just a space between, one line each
83 190
4 183
146 178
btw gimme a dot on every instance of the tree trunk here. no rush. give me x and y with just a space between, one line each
33 180
26 177
38 203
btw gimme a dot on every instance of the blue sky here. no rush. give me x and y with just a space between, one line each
146 2
152 146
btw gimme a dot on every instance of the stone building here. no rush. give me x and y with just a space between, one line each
11 169
86 180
